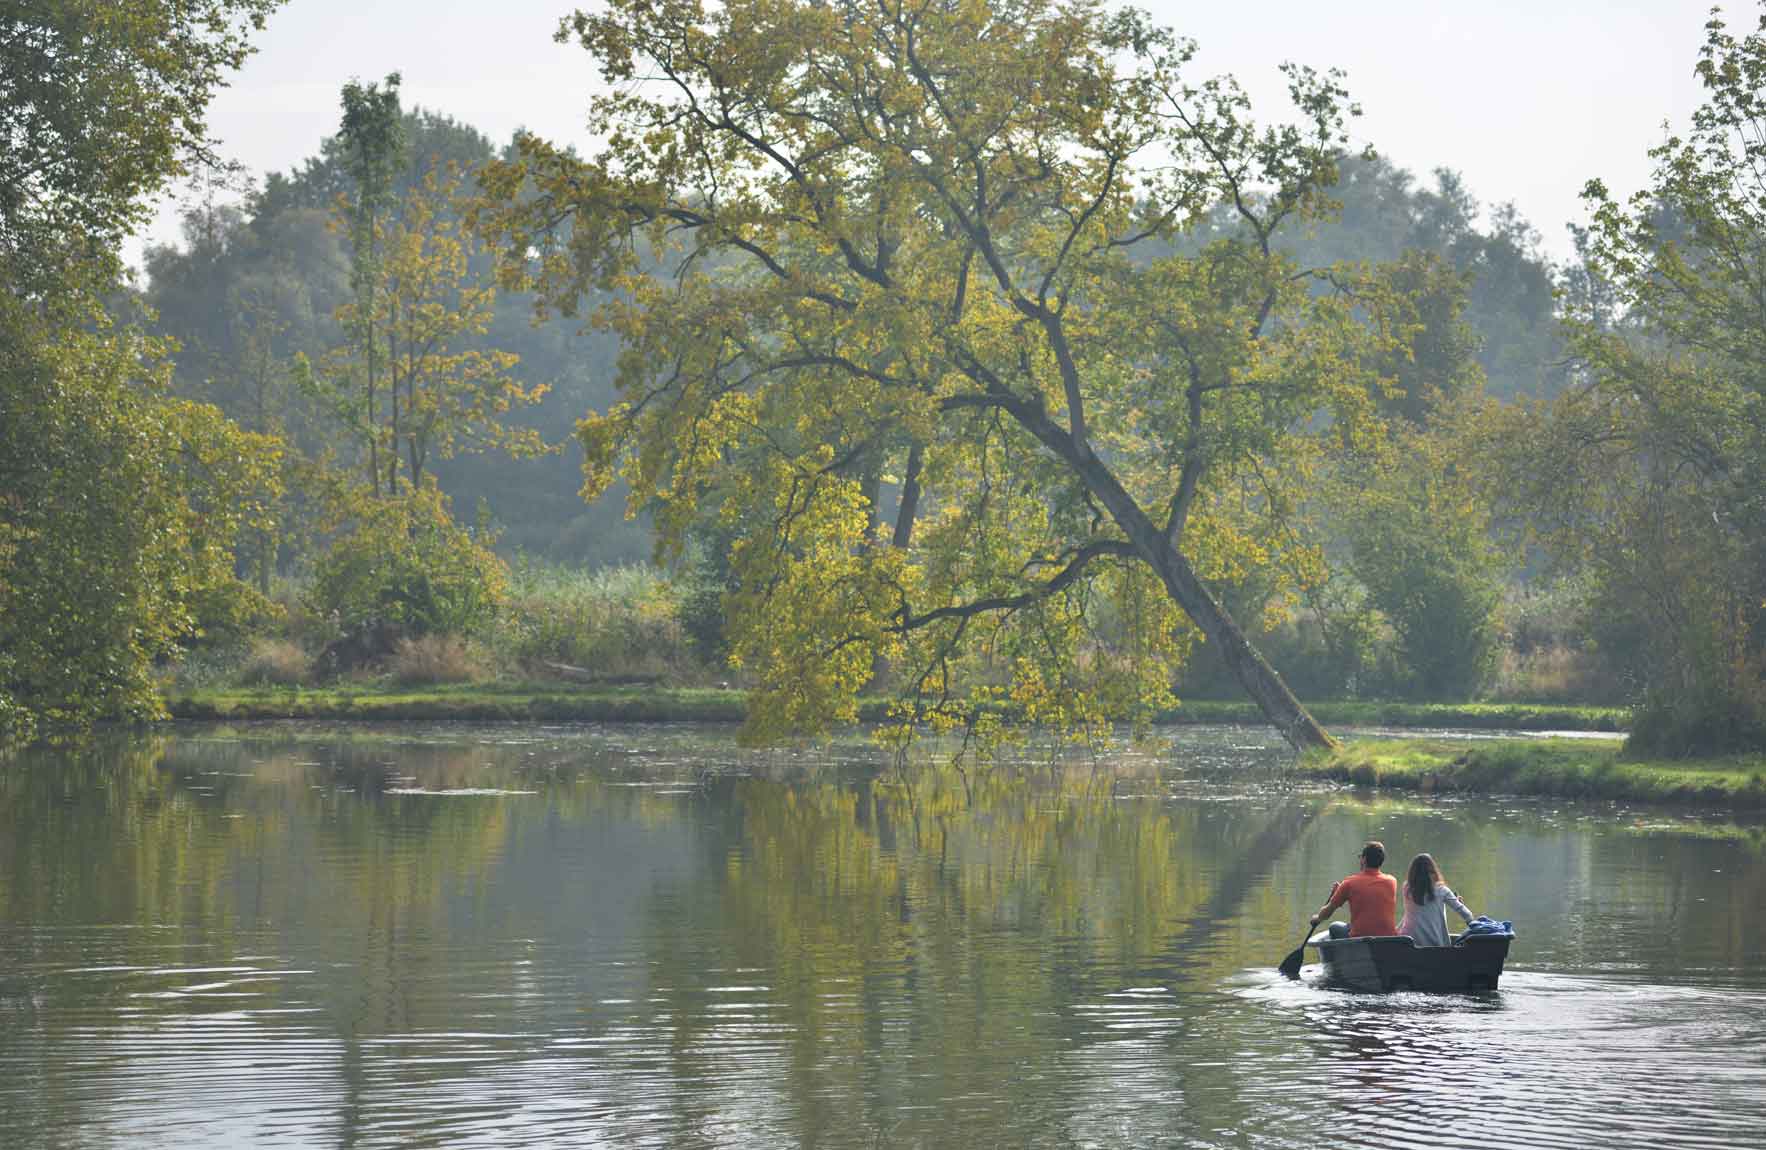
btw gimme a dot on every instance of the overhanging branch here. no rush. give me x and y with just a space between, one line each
1080 559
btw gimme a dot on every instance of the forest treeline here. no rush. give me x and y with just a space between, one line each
919 378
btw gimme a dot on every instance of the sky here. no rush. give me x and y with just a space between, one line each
1528 101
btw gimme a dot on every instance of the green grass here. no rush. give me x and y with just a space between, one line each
473 701
1472 716
1576 768
382 699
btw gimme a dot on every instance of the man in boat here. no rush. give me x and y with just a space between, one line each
1372 897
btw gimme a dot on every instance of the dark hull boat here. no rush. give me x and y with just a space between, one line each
1473 962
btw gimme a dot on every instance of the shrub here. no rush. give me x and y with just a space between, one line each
437 659
276 661
404 563
300 621
119 509
1714 717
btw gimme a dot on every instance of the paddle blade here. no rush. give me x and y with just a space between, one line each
1290 966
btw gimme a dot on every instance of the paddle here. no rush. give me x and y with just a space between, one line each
1290 966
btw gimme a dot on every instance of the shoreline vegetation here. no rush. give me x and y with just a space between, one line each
650 703
1569 768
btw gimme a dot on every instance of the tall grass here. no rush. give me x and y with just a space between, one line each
614 623
1553 675
431 659
275 662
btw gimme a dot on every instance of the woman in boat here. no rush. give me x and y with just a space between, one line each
1426 898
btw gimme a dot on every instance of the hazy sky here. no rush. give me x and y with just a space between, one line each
1527 100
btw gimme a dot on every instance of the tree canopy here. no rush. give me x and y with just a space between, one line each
101 101
964 265
119 505
1648 472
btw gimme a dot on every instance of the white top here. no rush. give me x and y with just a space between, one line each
1427 924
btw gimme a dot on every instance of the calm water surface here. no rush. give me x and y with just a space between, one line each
580 936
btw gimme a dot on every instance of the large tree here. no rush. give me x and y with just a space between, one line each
118 505
951 326
100 104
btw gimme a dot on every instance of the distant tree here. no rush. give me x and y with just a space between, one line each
1433 362
1647 472
282 249
1420 542
1508 285
373 144
444 396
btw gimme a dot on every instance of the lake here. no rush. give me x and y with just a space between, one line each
427 935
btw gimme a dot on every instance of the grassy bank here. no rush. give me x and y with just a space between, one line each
1472 716
471 701
1576 768
387 700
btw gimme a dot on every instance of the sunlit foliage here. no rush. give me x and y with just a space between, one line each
119 511
119 506
956 332
403 562
443 396
101 101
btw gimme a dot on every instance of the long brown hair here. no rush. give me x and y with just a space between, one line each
1424 874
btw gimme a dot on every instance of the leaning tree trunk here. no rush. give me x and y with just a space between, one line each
1160 551
1252 670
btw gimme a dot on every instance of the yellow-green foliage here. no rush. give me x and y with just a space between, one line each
615 621
119 513
436 394
814 605
887 277
118 505
405 562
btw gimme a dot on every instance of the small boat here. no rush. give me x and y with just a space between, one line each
1393 962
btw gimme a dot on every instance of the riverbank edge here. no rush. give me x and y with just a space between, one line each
1568 768
649 704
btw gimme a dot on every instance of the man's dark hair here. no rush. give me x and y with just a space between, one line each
1374 854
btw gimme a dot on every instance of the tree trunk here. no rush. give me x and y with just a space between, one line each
392 388
871 483
266 561
1253 672
910 500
